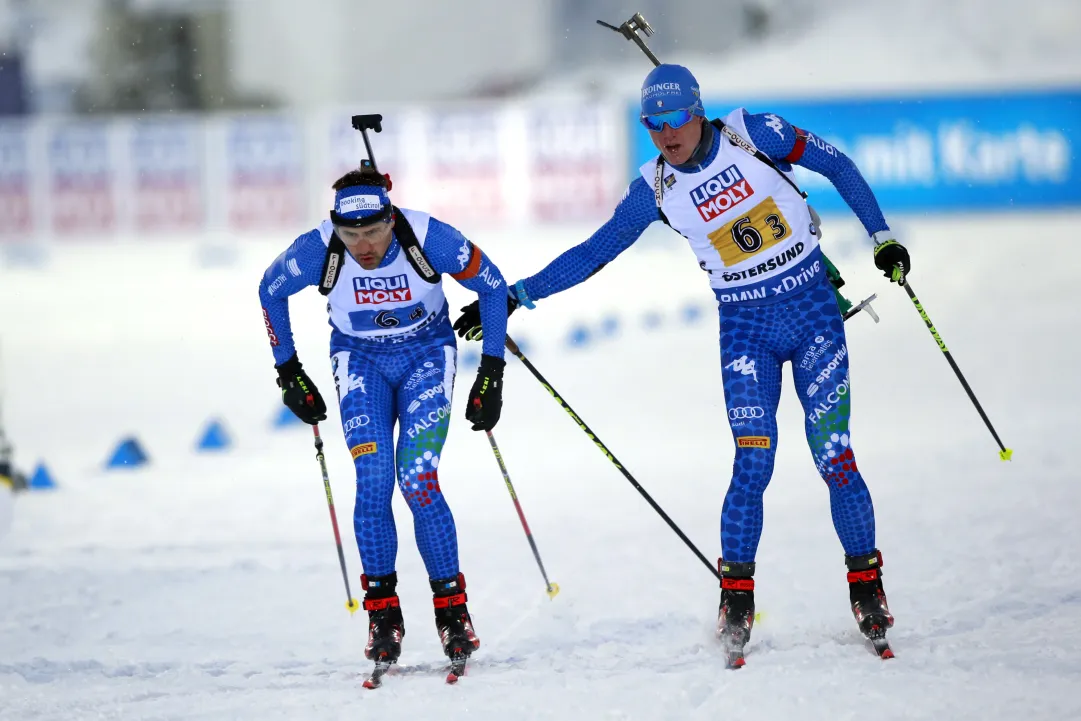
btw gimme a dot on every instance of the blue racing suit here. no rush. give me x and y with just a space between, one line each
759 330
393 364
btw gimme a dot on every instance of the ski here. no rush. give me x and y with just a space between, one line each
734 658
882 647
376 679
457 669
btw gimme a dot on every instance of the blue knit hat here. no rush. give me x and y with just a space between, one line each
671 87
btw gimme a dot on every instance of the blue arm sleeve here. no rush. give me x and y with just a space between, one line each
451 252
294 270
635 212
776 137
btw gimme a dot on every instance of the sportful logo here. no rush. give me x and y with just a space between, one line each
775 123
723 191
382 290
293 266
834 363
744 367
356 203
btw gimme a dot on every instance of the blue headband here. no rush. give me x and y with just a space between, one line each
360 205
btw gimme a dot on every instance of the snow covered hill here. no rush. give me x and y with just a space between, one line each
206 587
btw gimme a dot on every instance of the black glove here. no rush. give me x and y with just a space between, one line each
468 324
892 259
299 393
486 395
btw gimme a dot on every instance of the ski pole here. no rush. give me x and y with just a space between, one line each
350 603
513 348
551 588
1004 452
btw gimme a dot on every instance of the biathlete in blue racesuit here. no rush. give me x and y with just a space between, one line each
727 187
393 355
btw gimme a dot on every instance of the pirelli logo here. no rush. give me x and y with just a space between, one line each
746 442
365 449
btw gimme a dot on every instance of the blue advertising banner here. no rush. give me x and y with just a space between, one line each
958 152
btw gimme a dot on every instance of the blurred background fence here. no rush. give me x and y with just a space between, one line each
169 118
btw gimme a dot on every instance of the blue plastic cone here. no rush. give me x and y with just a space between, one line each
286 418
41 479
128 454
215 437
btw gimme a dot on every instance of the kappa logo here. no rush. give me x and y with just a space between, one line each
775 124
723 191
464 254
752 441
744 367
344 381
382 290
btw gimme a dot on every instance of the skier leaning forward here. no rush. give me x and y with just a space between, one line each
727 187
393 355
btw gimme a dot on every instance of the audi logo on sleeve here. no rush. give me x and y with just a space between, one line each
735 414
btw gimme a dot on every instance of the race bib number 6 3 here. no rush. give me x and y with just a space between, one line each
764 227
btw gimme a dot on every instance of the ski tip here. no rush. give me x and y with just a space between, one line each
886 654
370 683
737 663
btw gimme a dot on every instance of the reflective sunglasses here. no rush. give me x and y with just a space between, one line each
673 118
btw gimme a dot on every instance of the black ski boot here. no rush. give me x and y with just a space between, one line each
736 614
452 619
385 625
869 599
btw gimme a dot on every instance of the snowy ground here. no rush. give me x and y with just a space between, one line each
206 587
